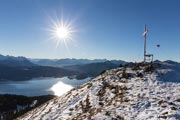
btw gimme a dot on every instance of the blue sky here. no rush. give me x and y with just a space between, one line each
109 29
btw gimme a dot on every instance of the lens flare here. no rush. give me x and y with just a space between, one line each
61 31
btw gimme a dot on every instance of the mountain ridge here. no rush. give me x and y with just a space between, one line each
12 61
124 93
70 61
20 68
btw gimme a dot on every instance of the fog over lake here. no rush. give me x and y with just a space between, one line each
40 86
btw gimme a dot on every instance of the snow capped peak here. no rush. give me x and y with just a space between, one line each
126 93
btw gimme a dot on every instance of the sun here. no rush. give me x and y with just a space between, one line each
62 32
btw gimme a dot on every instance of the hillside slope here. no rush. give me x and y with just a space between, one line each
136 93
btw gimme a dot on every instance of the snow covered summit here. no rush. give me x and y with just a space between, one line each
139 92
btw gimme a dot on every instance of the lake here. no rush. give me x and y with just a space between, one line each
40 86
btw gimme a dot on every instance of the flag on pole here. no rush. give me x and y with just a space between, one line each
145 31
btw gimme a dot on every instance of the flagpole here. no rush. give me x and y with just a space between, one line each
145 30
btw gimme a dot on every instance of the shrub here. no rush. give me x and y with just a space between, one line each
163 117
125 74
102 72
120 65
120 117
71 109
148 68
173 108
160 102
178 100
107 113
101 103
136 66
89 85
139 75
86 108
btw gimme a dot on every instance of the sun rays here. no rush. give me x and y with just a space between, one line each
61 32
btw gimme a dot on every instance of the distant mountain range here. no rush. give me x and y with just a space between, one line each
85 67
92 69
26 73
12 61
68 62
21 68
